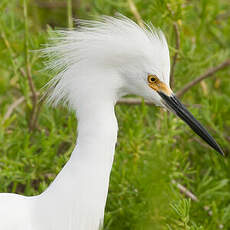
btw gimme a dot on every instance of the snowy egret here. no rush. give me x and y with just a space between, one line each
98 63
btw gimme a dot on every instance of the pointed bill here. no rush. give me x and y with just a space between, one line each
174 105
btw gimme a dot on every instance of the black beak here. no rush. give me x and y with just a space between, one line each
174 105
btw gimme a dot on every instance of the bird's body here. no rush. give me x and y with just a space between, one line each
76 199
14 211
99 63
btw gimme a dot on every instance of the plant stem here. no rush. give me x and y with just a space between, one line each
69 14
136 13
177 37
32 121
209 73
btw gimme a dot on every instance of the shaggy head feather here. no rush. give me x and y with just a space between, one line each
115 43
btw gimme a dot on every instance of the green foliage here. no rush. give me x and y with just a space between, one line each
182 219
154 148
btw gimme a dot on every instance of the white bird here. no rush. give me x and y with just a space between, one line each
98 63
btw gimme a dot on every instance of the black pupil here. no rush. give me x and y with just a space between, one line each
152 79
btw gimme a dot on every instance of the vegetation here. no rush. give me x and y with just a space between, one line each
158 158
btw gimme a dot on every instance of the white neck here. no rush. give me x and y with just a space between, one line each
79 192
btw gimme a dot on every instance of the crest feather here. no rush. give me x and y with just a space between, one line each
109 40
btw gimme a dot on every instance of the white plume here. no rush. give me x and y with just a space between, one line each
109 41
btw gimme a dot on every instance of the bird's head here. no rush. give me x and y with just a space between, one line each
115 57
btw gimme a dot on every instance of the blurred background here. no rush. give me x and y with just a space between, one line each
164 176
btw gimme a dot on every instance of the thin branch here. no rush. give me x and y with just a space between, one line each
128 101
28 71
185 191
12 54
208 73
13 106
39 106
24 73
136 14
177 37
69 14
133 101
138 101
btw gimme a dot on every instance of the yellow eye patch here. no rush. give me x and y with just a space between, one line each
157 85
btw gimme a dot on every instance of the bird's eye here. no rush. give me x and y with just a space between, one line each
152 78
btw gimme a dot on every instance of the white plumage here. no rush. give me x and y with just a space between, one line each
115 45
98 63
